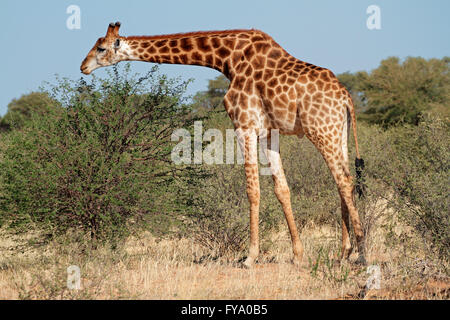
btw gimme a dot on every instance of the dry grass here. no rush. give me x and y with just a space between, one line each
146 268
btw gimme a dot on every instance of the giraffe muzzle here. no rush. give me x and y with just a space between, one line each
84 70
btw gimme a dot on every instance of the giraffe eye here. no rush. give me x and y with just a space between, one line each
99 49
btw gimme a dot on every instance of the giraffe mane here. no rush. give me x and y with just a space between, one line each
191 34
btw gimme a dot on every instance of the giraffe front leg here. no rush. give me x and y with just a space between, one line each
248 143
283 194
253 193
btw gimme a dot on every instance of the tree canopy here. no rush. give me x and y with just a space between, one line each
213 97
400 92
21 110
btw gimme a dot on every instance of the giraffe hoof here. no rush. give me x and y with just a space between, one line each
361 260
342 261
296 262
346 253
248 263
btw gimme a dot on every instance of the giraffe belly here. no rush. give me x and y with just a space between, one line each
284 117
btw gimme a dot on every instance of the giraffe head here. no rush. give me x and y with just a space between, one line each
108 50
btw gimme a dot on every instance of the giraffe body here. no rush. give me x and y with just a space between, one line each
269 89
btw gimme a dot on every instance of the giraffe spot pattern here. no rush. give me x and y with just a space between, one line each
291 95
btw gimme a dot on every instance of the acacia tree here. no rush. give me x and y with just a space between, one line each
99 160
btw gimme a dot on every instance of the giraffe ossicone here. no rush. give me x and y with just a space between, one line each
269 89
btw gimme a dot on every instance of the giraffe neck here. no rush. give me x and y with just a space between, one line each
214 49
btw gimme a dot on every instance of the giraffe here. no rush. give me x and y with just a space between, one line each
269 90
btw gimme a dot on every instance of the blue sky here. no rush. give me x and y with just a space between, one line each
36 44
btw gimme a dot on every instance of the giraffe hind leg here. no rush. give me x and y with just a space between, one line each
345 187
339 169
346 243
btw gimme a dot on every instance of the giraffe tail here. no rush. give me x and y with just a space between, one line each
360 185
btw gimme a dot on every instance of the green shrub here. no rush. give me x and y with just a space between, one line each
99 160
314 193
410 167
